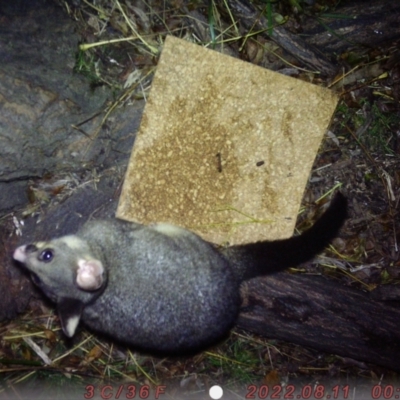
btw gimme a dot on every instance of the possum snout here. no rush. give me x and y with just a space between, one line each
21 253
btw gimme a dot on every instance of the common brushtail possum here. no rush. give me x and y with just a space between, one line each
160 287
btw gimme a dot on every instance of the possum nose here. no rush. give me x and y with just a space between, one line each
20 254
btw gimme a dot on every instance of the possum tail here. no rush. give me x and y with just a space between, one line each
263 258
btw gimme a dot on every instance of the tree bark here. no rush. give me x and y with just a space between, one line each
319 313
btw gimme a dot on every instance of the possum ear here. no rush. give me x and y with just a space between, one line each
90 274
69 311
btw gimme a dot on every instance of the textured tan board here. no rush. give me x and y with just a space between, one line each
224 147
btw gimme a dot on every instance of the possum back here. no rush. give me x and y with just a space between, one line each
162 279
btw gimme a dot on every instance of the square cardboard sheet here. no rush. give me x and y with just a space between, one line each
224 147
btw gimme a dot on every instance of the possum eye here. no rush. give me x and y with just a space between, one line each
46 255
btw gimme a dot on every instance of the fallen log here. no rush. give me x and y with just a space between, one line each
365 23
317 312
252 19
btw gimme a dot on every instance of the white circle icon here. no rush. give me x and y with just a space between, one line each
216 392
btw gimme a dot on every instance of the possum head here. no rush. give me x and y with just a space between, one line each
67 273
